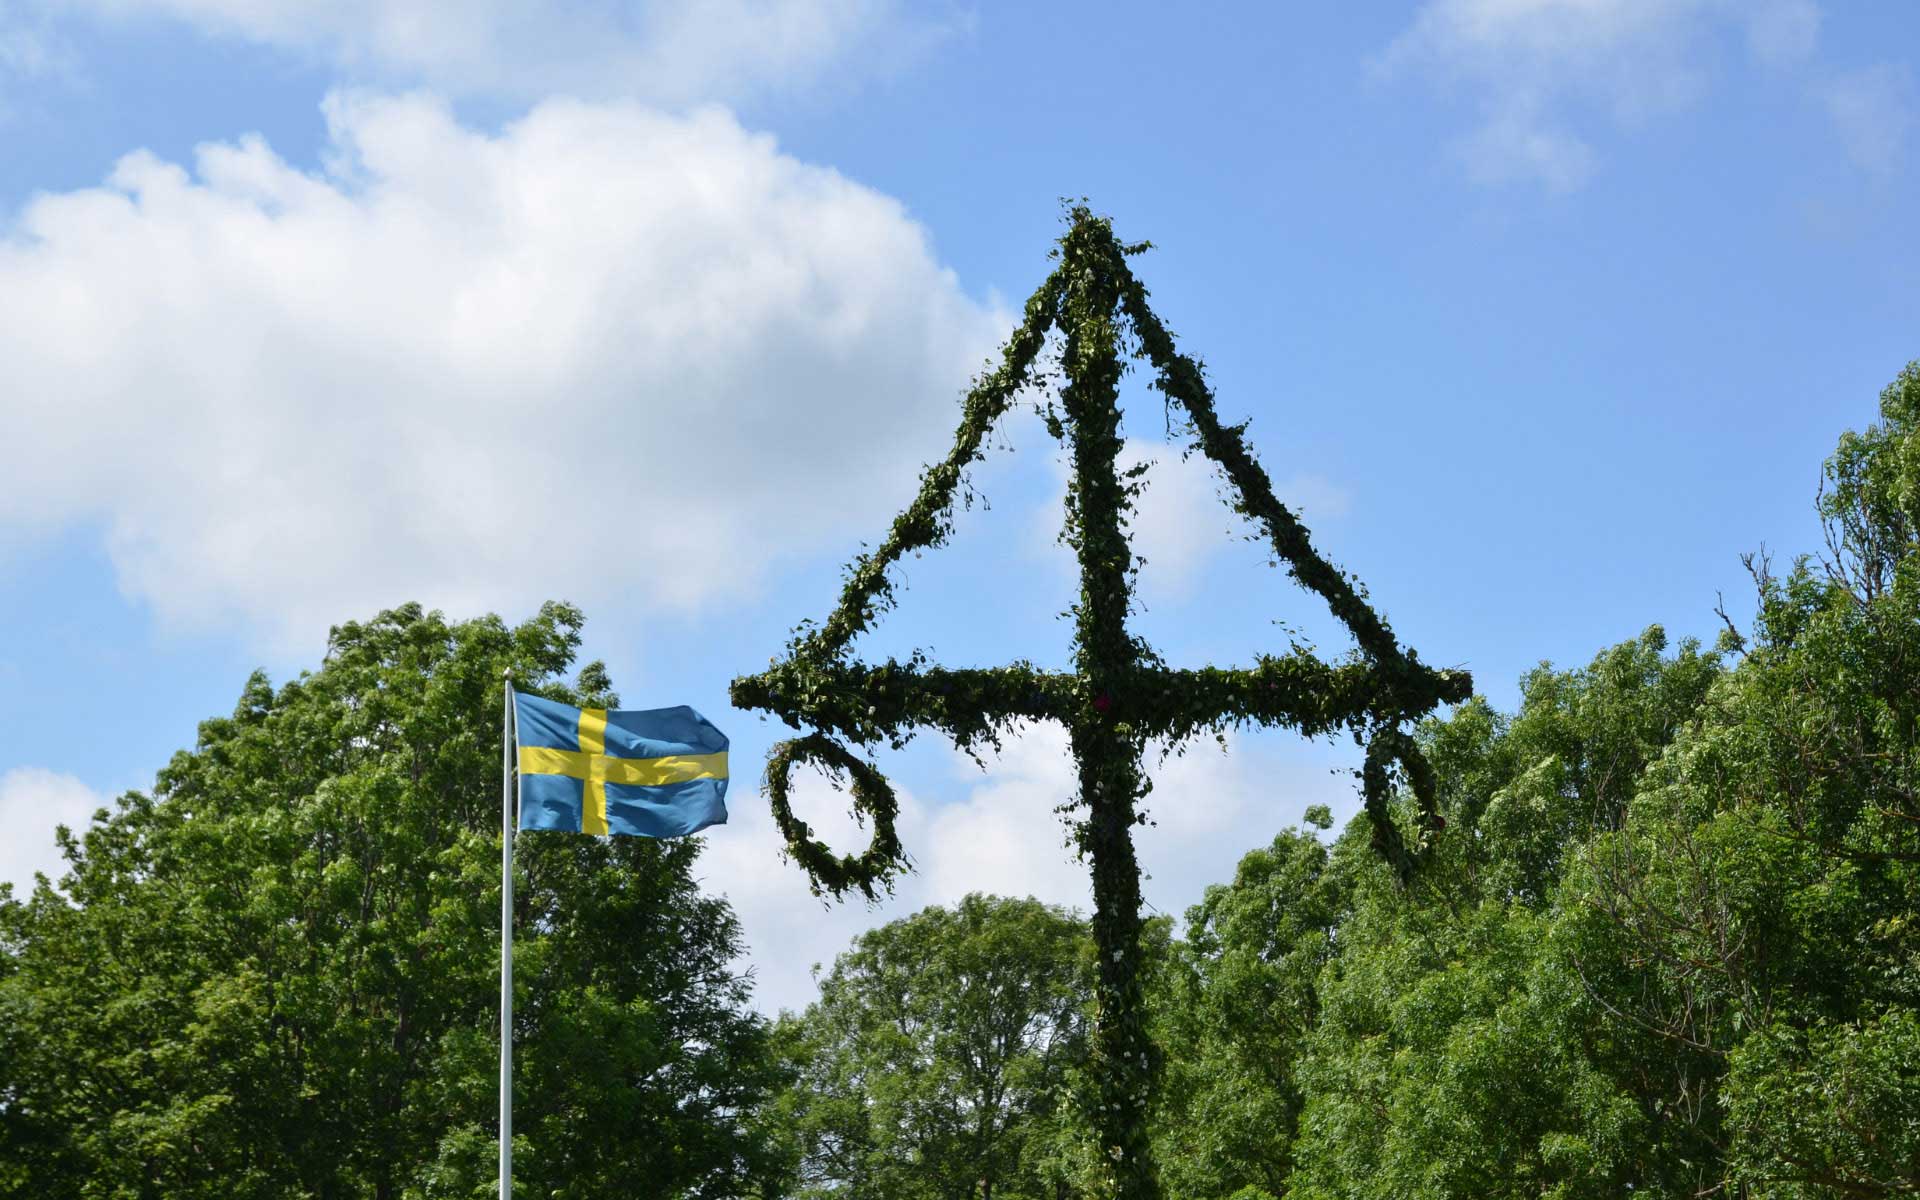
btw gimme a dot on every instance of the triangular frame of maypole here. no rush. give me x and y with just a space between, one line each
1121 696
1408 688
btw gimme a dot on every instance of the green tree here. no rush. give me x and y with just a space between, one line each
276 975
940 1058
1666 942
1234 1012
1756 915
1453 1052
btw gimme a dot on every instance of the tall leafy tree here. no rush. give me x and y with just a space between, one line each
1762 897
1666 944
1235 1005
940 1057
276 974
1452 1055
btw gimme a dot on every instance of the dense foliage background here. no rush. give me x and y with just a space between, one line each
1666 942
279 974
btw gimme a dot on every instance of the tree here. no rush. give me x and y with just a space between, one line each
1762 896
1238 1002
938 1060
277 974
1665 944
1454 1053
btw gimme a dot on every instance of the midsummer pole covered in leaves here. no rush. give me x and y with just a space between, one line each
1120 695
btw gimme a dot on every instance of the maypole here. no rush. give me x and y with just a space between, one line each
1121 696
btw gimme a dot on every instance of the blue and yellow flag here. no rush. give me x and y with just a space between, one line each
656 772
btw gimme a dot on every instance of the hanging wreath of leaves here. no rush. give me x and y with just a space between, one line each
873 800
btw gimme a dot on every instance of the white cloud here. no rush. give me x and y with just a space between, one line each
670 51
33 800
607 354
1182 521
1873 111
1512 146
1537 68
30 52
999 833
1783 31
24 52
788 930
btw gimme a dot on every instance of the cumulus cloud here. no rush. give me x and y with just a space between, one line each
1872 109
1182 521
997 832
671 51
788 931
606 353
33 801
1539 69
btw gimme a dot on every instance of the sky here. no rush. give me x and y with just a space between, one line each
1543 313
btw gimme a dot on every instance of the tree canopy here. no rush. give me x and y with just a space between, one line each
277 974
940 1058
1665 943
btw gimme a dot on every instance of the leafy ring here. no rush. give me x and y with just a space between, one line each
830 873
1390 746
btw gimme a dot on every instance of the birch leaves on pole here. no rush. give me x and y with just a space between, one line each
1120 695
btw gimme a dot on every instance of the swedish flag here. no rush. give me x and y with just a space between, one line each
656 772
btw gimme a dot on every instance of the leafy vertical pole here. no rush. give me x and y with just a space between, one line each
1105 746
1120 695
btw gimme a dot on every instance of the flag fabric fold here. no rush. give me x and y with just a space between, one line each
656 772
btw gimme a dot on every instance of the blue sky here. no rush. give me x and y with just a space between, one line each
1544 311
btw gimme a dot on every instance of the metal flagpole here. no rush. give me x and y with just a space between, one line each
506 941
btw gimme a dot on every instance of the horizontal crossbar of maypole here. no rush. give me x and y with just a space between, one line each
971 705
894 699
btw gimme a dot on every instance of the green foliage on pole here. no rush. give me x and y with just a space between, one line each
1120 695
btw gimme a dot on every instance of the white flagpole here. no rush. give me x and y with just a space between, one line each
506 941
